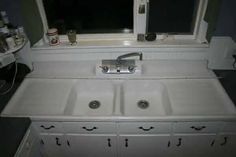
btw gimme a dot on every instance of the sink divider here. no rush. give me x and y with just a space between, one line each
117 99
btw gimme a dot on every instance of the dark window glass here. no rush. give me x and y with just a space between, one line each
90 16
172 16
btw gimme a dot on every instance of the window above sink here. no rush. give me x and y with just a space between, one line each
118 23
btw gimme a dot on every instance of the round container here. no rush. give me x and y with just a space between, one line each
53 37
10 42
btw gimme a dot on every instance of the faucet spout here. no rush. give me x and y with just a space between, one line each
130 55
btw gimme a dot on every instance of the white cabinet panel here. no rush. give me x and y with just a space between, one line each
194 145
90 127
226 145
144 145
48 127
144 127
52 145
196 127
91 145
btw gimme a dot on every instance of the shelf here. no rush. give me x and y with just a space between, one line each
17 48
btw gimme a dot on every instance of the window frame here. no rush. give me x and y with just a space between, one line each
139 26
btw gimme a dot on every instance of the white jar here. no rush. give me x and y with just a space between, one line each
53 37
10 43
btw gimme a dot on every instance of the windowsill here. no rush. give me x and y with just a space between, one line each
177 43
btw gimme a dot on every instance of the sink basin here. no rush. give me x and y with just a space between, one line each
145 98
91 98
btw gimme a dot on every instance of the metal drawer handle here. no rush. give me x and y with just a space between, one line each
47 128
126 142
109 142
68 143
57 141
168 145
89 129
212 143
146 129
225 141
199 128
180 142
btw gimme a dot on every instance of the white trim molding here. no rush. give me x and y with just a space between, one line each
220 53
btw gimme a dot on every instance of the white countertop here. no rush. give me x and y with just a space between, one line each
194 92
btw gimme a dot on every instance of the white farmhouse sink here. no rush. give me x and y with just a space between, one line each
145 98
40 97
91 98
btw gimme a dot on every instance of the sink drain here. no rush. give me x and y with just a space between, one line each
143 104
94 104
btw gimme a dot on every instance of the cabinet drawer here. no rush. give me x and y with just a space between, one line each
48 127
90 127
144 128
229 127
196 127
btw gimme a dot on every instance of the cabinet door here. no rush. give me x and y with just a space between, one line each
193 145
144 145
52 145
226 145
91 145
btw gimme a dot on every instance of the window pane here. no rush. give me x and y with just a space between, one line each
172 16
90 16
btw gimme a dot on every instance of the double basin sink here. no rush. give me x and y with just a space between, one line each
128 98
119 97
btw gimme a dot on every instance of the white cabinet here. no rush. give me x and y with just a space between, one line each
139 139
29 146
193 145
53 145
91 145
225 145
144 145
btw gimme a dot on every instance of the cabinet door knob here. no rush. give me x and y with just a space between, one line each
89 129
212 143
198 128
109 142
146 129
126 142
168 145
225 141
41 142
57 141
68 143
180 142
47 128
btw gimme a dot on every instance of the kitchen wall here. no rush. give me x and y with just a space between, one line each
12 7
226 25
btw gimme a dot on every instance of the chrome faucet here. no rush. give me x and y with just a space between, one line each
121 65
118 59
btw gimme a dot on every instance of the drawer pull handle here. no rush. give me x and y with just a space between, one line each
146 129
180 142
109 142
68 143
89 129
225 141
41 142
168 145
126 142
212 143
198 128
47 128
57 141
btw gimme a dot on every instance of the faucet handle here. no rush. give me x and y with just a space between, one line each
104 68
132 68
140 54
